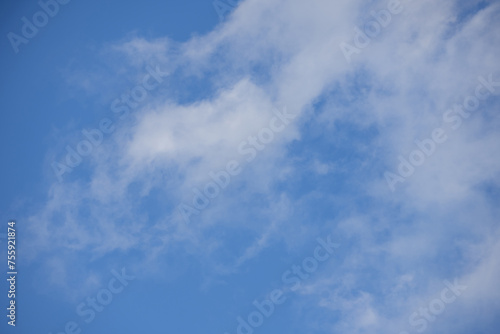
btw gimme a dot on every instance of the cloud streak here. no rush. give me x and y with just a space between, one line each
357 117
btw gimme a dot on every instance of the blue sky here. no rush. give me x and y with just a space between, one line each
287 167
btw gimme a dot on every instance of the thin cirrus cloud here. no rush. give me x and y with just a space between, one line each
274 54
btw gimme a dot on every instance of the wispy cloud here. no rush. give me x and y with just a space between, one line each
353 120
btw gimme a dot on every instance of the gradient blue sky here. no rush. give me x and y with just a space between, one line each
322 176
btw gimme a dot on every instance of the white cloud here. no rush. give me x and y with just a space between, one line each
426 60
